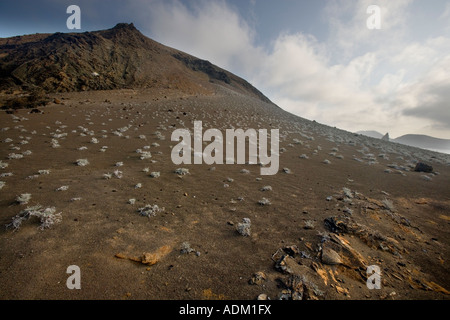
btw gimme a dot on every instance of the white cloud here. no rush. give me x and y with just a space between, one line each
359 79
446 13
210 30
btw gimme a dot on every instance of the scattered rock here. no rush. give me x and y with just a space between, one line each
258 278
154 257
121 256
291 250
330 257
423 167
348 255
148 258
299 285
372 238
36 110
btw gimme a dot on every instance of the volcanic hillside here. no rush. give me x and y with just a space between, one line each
121 57
88 181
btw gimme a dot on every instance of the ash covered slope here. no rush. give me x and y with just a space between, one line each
121 57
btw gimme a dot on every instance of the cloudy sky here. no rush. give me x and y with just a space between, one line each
316 59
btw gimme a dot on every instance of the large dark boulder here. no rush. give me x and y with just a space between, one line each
423 167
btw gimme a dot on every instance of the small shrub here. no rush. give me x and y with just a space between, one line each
150 210
82 162
155 174
264 202
309 224
24 198
145 155
182 171
15 156
186 248
347 192
47 217
118 174
55 144
243 228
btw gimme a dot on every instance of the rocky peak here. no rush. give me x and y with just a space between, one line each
125 26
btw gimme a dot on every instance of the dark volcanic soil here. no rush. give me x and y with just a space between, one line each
390 216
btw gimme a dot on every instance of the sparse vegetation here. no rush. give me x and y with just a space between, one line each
118 174
47 217
264 202
15 156
150 210
155 174
243 228
82 162
186 248
182 171
24 198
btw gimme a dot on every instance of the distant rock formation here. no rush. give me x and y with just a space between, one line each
371 133
385 137
425 142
